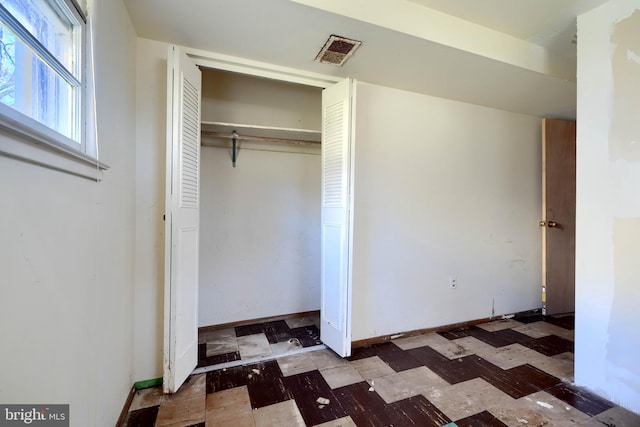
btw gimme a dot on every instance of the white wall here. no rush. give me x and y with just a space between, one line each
608 207
236 98
260 221
151 107
442 188
259 235
66 298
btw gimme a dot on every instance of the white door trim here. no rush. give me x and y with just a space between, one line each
236 64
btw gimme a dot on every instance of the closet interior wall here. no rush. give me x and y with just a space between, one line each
260 220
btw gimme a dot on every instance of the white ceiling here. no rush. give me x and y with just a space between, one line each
407 45
548 23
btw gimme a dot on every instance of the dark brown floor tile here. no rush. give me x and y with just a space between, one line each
398 359
452 371
226 379
580 399
306 388
418 411
516 382
567 322
218 359
277 331
483 419
550 345
307 335
505 381
255 328
534 376
362 353
142 417
456 333
499 338
356 398
265 384
380 418
529 318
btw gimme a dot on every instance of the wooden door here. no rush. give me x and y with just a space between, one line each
336 207
182 220
559 216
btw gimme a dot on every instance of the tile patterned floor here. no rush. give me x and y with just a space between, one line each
257 340
503 373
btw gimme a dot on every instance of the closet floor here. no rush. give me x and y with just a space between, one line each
512 373
257 341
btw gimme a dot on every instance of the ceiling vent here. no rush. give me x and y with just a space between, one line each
337 50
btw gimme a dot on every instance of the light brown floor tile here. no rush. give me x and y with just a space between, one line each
538 409
474 345
372 368
467 398
560 365
251 346
221 341
326 359
542 329
340 376
420 341
450 349
617 416
499 325
512 355
422 380
208 336
181 412
392 388
196 386
241 421
279 415
340 422
226 405
297 364
298 322
145 398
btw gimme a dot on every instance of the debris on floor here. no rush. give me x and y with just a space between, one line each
322 401
295 341
545 404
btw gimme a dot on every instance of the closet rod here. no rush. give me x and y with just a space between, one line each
258 138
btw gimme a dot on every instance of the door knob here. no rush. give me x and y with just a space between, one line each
542 223
552 224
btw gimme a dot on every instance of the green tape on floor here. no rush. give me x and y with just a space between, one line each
140 385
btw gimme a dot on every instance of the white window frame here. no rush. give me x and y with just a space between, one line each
24 138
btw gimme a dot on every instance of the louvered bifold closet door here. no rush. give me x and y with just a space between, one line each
182 220
335 310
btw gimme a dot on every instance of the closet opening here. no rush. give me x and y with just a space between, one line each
260 249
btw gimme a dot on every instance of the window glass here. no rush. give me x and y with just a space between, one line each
46 22
32 82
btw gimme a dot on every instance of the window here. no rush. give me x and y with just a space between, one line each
42 76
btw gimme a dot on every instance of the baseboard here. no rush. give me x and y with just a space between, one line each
260 320
125 408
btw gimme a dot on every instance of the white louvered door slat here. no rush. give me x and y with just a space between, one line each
335 309
189 168
182 220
